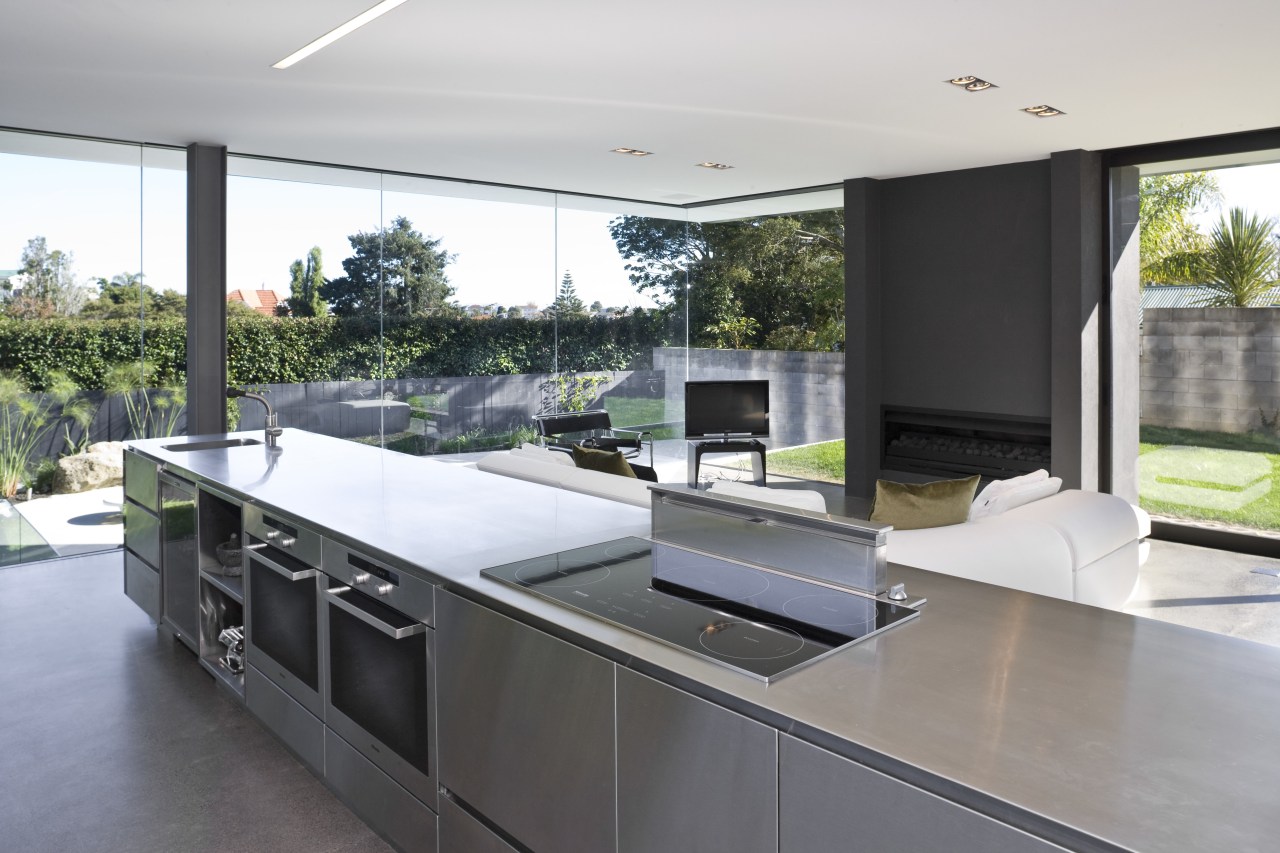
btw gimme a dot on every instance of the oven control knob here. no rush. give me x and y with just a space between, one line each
898 592
287 542
272 535
383 588
358 578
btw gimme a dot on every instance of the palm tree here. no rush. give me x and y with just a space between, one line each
1167 235
1240 264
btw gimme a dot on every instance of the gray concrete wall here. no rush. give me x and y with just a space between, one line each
806 389
1210 368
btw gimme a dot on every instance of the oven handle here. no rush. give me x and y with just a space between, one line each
334 597
281 570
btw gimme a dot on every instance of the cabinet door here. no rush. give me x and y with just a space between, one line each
140 480
525 727
692 776
830 803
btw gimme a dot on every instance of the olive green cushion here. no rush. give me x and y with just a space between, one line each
606 461
910 506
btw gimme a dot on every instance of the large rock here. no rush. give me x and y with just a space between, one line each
101 465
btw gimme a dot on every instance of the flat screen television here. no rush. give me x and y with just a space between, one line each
726 409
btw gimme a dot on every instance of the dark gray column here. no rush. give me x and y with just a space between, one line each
1076 280
1125 347
863 374
206 289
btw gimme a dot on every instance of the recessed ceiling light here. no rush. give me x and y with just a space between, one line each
972 84
634 152
710 165
1044 111
338 32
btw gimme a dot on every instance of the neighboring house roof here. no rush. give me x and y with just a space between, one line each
1189 296
262 301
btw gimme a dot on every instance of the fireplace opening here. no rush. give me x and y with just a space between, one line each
944 444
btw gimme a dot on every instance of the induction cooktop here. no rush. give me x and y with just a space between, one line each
756 621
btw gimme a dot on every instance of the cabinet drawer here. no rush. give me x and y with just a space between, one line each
140 480
296 727
392 811
142 585
461 833
142 532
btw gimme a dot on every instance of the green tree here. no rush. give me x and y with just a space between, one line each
780 273
399 265
305 285
48 283
124 297
1167 238
1240 264
567 303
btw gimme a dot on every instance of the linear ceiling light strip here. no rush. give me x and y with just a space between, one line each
338 32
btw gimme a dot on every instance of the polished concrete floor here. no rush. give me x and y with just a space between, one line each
112 737
1213 590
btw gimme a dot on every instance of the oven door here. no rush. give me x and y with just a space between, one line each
381 674
282 634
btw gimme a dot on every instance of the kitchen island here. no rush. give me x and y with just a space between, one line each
996 720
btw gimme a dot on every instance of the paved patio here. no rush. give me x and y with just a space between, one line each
61 525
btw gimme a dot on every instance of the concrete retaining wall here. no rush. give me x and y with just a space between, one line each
806 389
1210 368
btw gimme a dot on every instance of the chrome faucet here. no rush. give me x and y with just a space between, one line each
273 426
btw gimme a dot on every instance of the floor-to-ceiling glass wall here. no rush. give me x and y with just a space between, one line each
305 296
766 304
1196 253
92 336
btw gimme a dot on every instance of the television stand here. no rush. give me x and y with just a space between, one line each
697 449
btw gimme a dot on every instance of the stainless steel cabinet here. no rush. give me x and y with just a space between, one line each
179 560
692 776
142 533
830 803
525 727
461 833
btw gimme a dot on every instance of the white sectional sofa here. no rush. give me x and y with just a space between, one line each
1079 546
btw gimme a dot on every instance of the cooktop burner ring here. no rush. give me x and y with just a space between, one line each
573 572
794 642
832 610
744 583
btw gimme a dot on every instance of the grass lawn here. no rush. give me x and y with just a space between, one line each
1210 476
824 462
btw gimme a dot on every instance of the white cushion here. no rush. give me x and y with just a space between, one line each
986 498
797 498
1024 494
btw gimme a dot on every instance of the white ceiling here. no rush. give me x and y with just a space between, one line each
793 94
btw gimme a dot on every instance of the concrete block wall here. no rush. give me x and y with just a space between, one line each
1210 368
806 389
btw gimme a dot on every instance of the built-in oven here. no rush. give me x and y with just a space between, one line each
379 654
282 605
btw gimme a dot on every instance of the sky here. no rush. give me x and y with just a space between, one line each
505 253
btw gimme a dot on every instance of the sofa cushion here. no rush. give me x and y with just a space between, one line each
623 489
604 461
986 498
797 498
1021 495
913 506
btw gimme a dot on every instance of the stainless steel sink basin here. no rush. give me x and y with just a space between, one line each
220 444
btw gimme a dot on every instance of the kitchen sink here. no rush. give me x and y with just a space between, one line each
219 444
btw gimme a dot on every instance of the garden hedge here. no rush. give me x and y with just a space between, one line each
287 350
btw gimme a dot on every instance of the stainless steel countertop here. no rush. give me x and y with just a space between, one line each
1090 727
